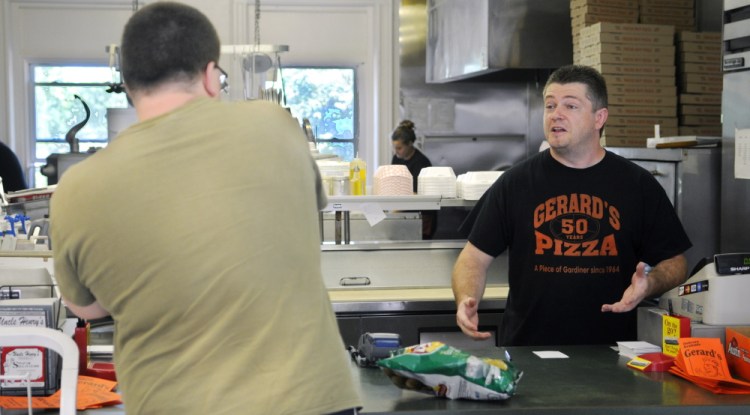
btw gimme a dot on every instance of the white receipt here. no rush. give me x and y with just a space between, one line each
373 213
551 354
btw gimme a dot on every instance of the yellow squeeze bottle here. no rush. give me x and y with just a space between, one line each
358 176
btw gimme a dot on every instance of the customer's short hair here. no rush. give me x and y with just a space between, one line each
596 86
166 42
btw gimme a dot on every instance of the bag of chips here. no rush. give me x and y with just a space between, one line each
445 371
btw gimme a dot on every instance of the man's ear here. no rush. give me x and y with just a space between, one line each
600 117
210 80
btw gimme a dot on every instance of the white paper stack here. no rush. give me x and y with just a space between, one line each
437 181
475 183
636 348
392 180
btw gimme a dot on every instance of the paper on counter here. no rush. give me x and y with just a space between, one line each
550 354
92 393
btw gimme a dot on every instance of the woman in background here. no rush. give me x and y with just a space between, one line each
403 138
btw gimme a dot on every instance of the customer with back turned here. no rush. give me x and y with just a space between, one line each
406 154
580 224
197 231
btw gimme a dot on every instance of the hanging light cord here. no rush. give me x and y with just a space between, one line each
257 25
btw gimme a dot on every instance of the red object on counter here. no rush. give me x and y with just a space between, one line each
102 370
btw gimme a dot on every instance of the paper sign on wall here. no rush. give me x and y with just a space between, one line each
742 153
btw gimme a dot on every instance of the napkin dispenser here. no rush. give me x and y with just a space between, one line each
716 294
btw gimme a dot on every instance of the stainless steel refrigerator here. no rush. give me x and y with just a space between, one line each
735 108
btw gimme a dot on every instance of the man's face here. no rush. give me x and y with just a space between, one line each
569 118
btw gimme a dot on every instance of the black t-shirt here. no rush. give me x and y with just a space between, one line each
574 238
11 170
415 165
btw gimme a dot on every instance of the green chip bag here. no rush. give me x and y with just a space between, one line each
445 371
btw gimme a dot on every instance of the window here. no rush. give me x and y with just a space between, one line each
56 110
327 97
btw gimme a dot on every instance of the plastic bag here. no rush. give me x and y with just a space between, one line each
445 371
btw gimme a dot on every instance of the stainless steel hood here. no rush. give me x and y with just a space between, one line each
468 38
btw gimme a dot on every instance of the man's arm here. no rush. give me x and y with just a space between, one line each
88 312
468 282
663 277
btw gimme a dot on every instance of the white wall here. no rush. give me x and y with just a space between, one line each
361 33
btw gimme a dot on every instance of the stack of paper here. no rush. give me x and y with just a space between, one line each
636 348
703 362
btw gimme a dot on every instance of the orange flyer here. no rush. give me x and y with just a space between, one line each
703 362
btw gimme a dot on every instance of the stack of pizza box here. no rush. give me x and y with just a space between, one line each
587 12
677 13
638 63
700 83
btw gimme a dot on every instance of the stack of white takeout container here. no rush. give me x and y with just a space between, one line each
437 181
392 180
473 184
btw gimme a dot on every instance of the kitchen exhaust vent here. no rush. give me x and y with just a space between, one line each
468 38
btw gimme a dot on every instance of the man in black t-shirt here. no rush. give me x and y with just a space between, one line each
580 224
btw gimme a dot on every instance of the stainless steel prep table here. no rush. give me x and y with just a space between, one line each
593 380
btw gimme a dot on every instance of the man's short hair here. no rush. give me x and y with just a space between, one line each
166 42
596 86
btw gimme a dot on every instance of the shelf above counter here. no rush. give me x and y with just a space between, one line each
388 203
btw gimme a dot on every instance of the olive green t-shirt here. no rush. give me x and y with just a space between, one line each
198 231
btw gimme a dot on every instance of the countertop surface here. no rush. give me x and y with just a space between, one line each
592 380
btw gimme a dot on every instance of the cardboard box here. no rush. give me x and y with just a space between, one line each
682 4
630 49
700 120
640 132
605 10
677 21
640 80
694 88
702 78
616 69
622 141
633 4
581 20
629 59
654 100
688 109
700 99
591 38
625 28
642 111
703 60
700 47
664 122
670 90
738 351
710 37
667 11
704 131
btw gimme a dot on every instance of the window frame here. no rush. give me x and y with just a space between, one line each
36 163
355 140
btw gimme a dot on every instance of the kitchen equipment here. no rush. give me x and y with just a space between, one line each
735 109
373 347
715 295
